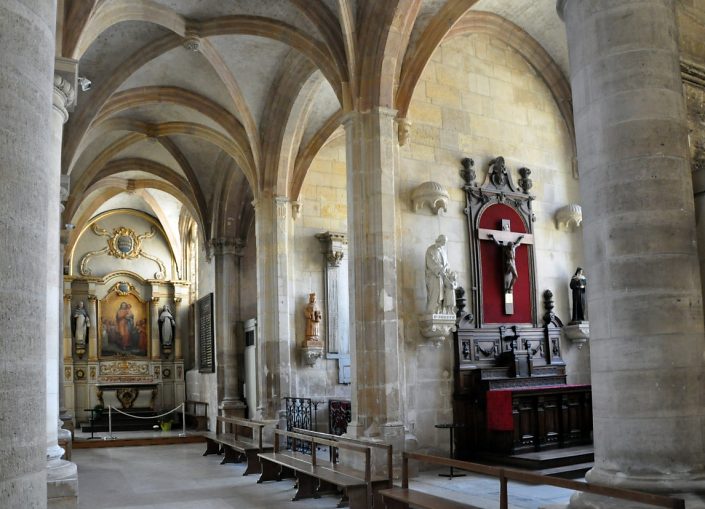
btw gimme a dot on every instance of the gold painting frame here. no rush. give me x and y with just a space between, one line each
124 324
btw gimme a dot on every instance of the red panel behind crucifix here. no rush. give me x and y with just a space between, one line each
493 270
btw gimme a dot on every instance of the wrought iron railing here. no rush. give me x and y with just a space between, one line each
301 414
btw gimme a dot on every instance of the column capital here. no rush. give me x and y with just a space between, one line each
63 97
227 246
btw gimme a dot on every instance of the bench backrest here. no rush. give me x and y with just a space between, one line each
235 424
314 440
364 443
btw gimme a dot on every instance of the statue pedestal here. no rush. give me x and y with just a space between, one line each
577 332
311 352
437 326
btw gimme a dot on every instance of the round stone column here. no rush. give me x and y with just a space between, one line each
26 74
646 315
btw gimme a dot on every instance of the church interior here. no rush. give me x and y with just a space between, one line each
469 229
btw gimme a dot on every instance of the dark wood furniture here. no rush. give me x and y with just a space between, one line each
236 438
315 475
403 497
510 387
196 413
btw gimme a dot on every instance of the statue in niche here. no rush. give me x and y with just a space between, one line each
167 324
577 284
313 319
440 280
80 323
509 254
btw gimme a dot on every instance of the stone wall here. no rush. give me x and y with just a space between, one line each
323 208
203 386
478 98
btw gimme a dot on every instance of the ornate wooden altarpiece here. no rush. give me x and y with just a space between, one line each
510 390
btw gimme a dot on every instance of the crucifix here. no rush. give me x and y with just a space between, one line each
508 241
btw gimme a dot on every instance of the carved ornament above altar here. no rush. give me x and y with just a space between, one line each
125 244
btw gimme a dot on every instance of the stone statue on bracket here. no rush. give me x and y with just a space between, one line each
312 349
440 280
167 326
80 323
578 330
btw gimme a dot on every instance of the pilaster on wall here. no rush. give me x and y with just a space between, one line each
230 401
275 319
372 158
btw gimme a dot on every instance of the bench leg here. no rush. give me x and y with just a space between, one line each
253 466
231 456
325 488
269 471
306 486
344 502
212 447
357 497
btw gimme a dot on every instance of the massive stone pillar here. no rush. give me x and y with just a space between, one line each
229 397
276 347
26 76
62 476
376 354
646 315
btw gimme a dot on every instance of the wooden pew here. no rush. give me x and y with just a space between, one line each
314 474
379 481
235 437
197 411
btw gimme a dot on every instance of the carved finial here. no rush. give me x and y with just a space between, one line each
549 316
498 172
468 171
460 301
525 182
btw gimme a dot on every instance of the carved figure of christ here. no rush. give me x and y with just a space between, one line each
508 241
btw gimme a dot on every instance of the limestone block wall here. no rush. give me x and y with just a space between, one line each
323 201
478 98
203 386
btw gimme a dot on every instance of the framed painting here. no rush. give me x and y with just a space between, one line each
123 323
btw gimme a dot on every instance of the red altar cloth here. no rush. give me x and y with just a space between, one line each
499 404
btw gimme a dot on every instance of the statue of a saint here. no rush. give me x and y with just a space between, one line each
577 284
510 263
440 280
313 318
80 323
167 325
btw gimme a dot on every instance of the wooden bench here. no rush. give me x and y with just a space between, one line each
378 480
236 438
402 498
316 476
196 412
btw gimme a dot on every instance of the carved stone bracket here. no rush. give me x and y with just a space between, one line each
432 194
569 218
437 327
311 352
578 333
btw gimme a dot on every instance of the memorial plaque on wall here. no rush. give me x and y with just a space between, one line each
206 358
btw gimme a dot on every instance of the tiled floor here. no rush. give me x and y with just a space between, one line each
178 477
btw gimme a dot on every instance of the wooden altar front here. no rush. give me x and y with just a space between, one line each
510 390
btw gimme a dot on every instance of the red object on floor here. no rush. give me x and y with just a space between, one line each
499 411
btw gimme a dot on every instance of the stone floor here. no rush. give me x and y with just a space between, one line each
178 477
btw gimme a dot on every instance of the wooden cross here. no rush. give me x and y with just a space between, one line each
508 241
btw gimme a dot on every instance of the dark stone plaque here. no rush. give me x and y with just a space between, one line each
206 358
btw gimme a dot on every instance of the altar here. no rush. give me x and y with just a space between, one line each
510 391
